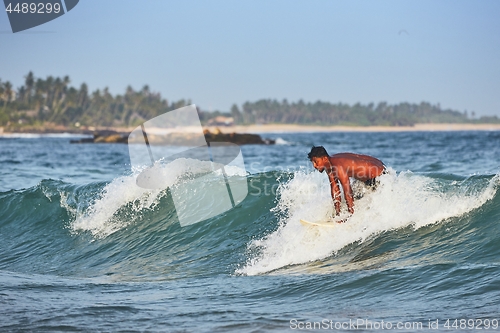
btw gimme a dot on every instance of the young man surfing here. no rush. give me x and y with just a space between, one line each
340 167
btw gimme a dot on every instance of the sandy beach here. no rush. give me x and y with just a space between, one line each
287 128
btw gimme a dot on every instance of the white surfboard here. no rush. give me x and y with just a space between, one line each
322 223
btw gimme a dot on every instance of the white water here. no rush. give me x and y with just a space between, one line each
401 200
101 218
280 141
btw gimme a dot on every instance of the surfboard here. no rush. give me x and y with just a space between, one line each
322 223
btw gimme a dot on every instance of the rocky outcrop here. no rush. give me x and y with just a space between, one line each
104 137
237 138
177 138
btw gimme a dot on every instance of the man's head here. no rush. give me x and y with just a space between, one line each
319 158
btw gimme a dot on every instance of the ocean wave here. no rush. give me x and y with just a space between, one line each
103 217
402 200
124 232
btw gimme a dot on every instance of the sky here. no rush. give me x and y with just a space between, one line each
220 52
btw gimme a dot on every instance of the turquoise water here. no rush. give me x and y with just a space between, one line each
84 249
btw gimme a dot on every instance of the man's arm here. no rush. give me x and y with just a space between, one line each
346 186
335 190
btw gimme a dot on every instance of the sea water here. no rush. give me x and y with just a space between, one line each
83 248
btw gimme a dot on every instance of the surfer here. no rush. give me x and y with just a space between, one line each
340 167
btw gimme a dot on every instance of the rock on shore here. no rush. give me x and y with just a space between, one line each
210 136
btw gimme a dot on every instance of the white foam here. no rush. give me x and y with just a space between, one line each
101 218
280 141
401 200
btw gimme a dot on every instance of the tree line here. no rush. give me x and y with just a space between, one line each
52 100
324 113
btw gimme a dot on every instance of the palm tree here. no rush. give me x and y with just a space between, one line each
29 83
2 90
83 95
145 90
8 91
40 91
62 97
22 94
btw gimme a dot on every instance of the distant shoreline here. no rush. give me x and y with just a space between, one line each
283 128
292 128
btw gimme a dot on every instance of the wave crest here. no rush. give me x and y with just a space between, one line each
402 200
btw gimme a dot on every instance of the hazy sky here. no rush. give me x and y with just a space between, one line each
217 53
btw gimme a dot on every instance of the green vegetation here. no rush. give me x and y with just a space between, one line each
323 113
50 102
53 101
